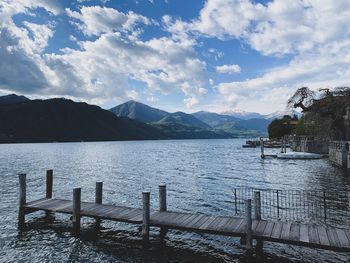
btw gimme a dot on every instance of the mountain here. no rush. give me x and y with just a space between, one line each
12 98
244 115
139 111
280 114
183 119
144 113
232 124
64 120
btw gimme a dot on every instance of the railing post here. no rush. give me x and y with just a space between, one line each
257 204
145 217
324 206
76 210
257 216
235 191
278 205
248 219
49 183
22 199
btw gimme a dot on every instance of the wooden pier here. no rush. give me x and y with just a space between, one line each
248 227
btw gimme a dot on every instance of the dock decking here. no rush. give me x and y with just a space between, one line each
313 236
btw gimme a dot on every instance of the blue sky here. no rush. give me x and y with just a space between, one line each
214 55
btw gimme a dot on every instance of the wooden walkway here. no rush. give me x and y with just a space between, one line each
313 236
289 233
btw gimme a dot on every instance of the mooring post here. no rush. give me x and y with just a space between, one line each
285 144
162 206
98 198
262 148
49 183
76 210
49 187
22 199
145 217
282 141
98 192
248 219
257 216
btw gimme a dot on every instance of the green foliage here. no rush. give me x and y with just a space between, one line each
280 127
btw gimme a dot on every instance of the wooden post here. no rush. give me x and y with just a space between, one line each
22 199
76 210
98 192
285 144
162 197
49 187
257 216
248 219
262 148
162 207
49 183
98 200
282 141
146 217
257 204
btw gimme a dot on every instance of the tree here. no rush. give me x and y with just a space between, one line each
302 98
280 127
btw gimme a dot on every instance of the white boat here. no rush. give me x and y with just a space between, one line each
299 155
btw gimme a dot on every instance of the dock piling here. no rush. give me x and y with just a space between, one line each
22 199
262 148
76 210
49 183
145 217
49 187
248 219
98 192
162 206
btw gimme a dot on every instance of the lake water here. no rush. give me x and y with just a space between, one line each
200 176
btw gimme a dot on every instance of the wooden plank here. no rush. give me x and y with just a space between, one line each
333 237
343 240
201 221
277 229
193 222
207 222
286 230
260 228
304 233
313 235
268 229
188 219
347 233
240 227
213 225
255 224
322 234
234 224
223 224
295 232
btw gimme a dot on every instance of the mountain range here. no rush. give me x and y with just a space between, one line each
223 125
25 120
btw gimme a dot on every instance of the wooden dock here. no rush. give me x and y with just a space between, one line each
248 228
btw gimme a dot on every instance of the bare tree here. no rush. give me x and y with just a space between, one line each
302 98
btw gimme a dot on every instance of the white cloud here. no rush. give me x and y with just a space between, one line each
95 20
228 69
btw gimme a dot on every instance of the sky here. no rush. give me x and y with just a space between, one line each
213 55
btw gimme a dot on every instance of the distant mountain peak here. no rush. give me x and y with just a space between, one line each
242 114
280 114
12 98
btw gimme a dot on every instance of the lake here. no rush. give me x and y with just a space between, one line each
200 176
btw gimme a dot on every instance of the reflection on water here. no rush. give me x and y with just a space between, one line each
200 176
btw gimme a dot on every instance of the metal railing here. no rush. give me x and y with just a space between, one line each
298 205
